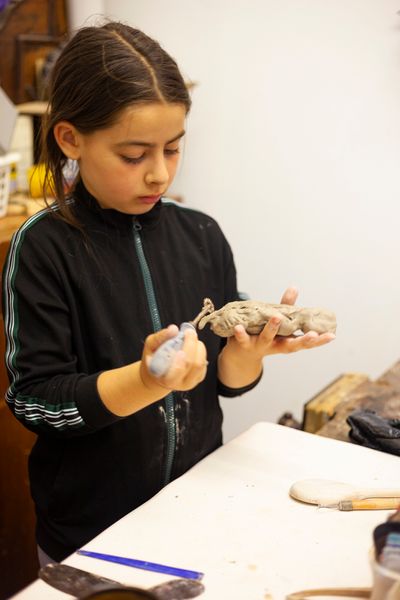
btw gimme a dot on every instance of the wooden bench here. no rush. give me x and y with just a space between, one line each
326 413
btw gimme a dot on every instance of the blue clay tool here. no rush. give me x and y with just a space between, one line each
143 564
164 355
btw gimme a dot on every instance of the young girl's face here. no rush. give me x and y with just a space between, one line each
130 165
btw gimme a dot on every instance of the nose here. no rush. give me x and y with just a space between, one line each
158 172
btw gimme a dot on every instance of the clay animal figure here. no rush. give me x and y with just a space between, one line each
253 315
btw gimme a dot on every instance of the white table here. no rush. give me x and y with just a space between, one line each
231 517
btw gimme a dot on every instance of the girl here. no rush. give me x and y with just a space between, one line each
91 284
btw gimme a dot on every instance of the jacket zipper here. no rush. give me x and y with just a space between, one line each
155 318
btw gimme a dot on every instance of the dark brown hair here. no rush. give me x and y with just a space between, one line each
101 71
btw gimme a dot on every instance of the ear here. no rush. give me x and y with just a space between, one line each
68 138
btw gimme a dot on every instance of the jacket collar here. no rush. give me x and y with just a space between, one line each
87 204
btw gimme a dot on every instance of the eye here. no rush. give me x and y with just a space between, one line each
171 151
132 160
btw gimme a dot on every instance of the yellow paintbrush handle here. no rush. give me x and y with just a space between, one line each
370 504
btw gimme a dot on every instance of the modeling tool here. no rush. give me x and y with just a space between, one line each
164 355
327 493
365 504
80 584
143 564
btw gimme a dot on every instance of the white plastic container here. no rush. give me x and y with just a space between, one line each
5 168
386 583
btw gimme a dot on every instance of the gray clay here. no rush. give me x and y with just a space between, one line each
253 315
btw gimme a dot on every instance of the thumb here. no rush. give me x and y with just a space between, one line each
290 295
154 340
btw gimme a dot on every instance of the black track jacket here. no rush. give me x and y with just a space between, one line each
76 304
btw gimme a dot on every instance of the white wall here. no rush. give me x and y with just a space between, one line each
293 146
84 13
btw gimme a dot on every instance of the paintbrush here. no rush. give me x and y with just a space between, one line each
365 504
329 494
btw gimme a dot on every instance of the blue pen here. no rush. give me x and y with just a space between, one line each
143 564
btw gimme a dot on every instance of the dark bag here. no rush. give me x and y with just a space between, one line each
372 431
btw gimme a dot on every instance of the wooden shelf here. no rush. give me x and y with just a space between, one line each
32 108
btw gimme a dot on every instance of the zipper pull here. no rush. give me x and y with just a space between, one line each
136 225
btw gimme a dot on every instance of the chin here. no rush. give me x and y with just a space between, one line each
141 210
135 210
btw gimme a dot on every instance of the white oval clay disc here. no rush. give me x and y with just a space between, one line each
325 491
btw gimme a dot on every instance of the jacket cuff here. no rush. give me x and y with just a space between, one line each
94 413
228 392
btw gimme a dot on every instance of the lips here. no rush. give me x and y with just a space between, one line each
150 199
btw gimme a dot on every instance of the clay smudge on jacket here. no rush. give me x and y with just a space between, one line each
162 412
182 420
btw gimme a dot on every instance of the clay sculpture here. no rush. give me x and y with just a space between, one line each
253 315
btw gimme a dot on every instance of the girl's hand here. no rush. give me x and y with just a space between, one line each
267 342
188 368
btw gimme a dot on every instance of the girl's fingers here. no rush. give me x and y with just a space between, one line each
195 354
313 339
190 343
155 340
189 365
272 327
290 295
241 335
268 334
270 342
287 345
265 337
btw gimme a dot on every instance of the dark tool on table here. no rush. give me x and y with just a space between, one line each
85 585
164 355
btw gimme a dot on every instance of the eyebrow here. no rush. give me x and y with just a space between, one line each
148 144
